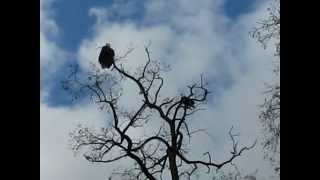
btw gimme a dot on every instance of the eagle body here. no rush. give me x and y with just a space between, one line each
106 56
189 103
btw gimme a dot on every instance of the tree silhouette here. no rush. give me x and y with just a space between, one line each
165 147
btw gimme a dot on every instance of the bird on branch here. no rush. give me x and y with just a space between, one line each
106 57
189 103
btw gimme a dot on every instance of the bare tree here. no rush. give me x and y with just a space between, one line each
165 147
268 30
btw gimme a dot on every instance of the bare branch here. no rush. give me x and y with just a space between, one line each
154 153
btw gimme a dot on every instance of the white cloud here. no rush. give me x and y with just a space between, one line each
194 38
56 158
51 55
47 24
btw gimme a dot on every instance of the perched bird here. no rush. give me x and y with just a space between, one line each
189 103
106 56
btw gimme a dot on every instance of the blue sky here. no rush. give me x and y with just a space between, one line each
74 23
194 37
72 17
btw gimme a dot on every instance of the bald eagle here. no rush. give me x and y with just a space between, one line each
106 56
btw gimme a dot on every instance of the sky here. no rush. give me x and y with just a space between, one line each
204 36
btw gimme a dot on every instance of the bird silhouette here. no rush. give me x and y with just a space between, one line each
106 57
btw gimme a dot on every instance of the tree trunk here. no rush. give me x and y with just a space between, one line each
173 165
172 153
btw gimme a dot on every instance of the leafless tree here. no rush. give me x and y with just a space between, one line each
165 147
268 30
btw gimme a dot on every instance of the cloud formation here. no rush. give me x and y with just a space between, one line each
194 37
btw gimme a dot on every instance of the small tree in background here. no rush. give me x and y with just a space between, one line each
268 30
163 148
235 174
